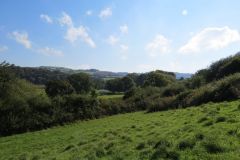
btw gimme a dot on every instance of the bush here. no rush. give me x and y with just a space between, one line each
161 104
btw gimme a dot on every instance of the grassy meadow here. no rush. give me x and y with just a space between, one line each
210 131
113 96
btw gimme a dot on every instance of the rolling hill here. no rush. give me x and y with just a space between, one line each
210 131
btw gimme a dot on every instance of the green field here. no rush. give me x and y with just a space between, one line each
211 131
110 96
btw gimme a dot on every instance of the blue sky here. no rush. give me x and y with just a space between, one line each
119 35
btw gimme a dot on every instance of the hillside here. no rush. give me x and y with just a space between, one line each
210 131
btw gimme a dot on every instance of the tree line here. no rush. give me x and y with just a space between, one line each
25 106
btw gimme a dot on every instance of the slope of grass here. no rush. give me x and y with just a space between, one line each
113 96
211 131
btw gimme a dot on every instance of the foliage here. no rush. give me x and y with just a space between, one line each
120 84
59 87
81 82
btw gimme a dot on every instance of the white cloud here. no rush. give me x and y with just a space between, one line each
107 12
89 13
124 47
74 33
3 48
184 12
46 18
159 45
112 40
211 39
124 29
50 51
66 20
22 38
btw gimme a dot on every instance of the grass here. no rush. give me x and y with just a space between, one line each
114 96
176 134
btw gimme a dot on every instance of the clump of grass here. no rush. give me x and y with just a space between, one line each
109 145
203 119
232 132
238 108
100 152
141 146
36 157
212 146
164 153
162 143
208 123
145 154
23 156
133 126
199 136
221 119
69 147
186 144
81 143
90 156
231 120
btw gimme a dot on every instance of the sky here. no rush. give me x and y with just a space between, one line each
119 35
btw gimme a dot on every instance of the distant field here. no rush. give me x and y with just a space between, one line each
110 96
211 131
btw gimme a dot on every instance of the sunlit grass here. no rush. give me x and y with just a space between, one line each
210 131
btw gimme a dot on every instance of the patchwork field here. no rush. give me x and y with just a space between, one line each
211 131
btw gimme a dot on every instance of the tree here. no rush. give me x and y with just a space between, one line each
158 79
81 82
127 83
58 87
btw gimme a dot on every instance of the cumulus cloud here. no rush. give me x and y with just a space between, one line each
107 12
89 13
50 51
211 39
3 48
22 38
66 20
112 40
74 33
46 18
184 12
124 29
159 45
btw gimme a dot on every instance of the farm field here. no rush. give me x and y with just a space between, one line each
210 131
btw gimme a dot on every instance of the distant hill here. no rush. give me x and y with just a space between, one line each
42 74
183 75
94 72
103 74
